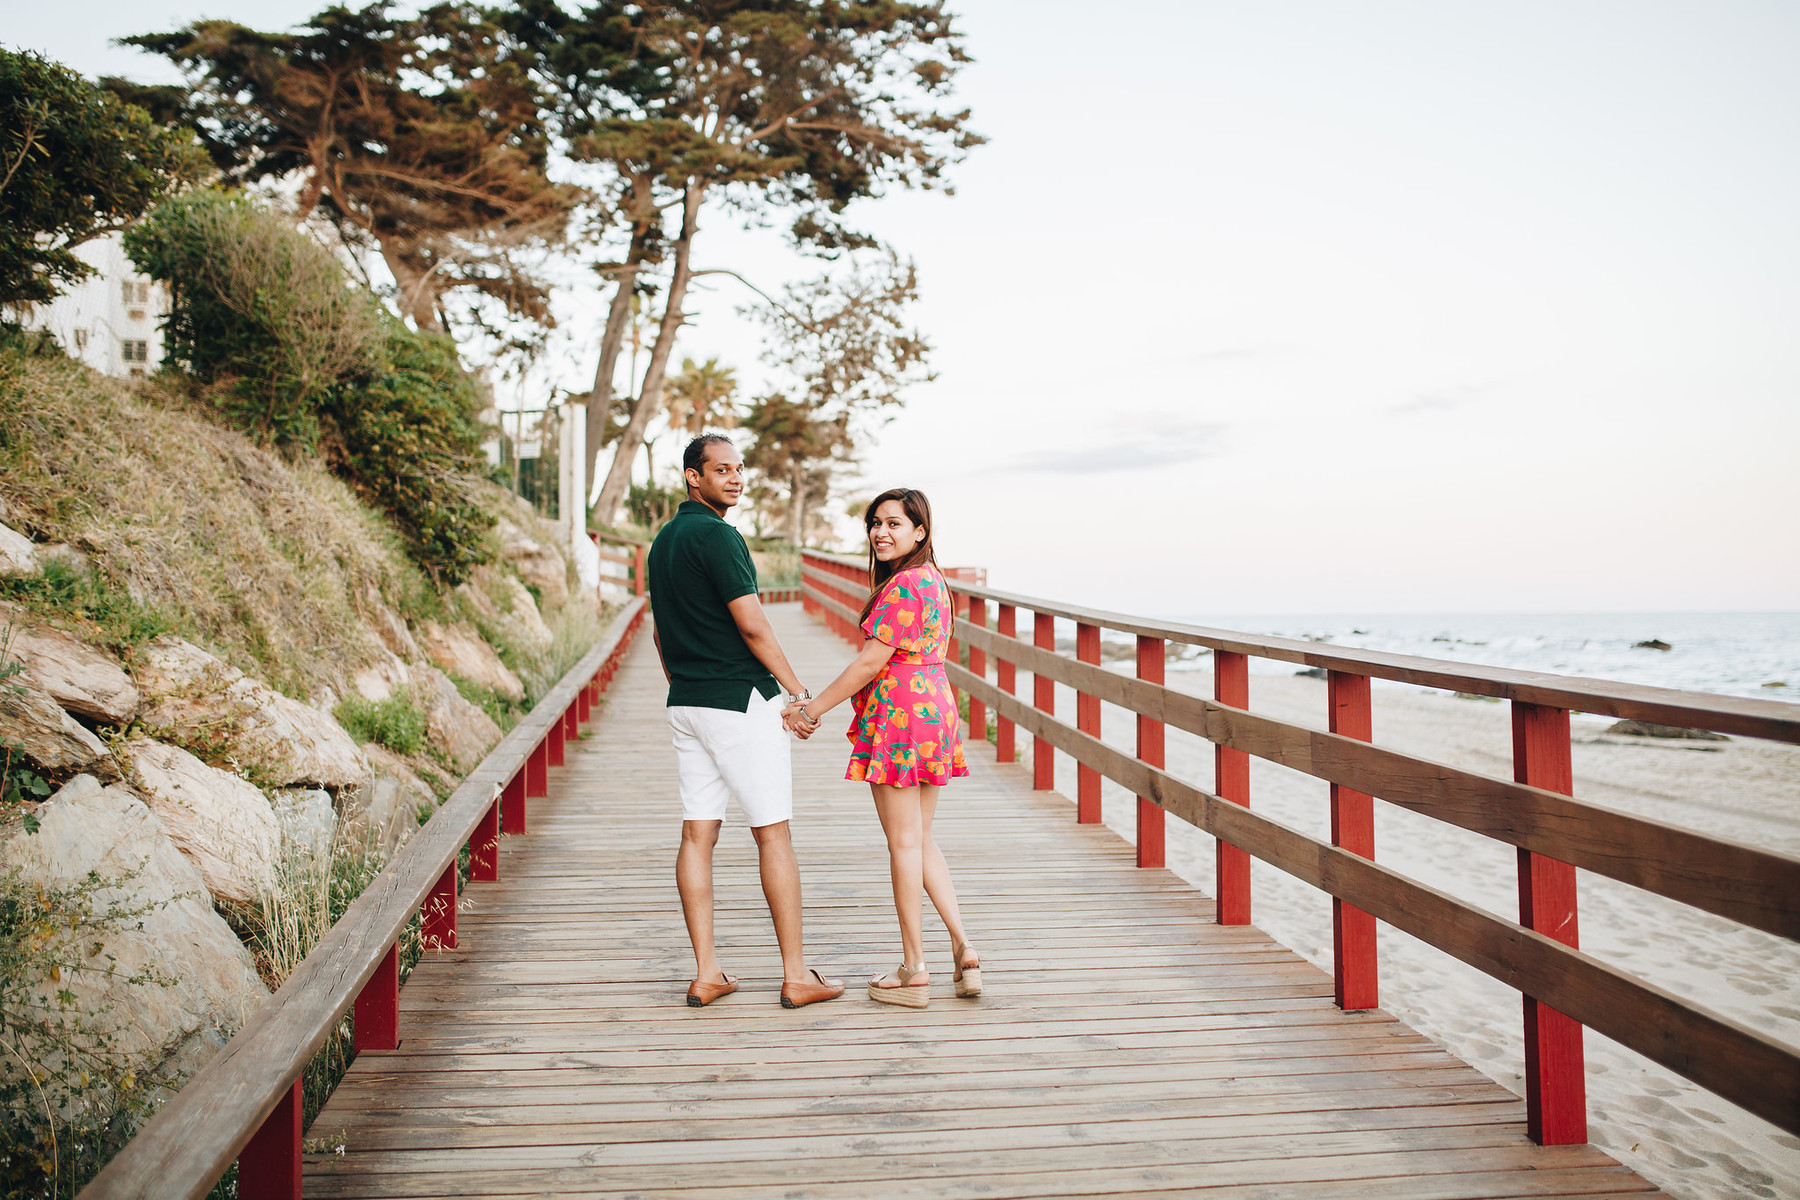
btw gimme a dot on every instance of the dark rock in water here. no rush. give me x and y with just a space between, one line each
1651 729
1776 683
1312 673
1477 696
1652 644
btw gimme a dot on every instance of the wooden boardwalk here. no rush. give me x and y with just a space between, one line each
1126 1044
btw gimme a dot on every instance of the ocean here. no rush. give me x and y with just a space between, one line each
1732 654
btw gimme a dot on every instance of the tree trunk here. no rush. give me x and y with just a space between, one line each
645 223
649 400
797 503
416 300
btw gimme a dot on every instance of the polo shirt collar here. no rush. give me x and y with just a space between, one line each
700 507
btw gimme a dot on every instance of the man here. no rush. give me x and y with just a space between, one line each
724 667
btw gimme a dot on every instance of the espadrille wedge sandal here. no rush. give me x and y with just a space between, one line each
968 975
908 994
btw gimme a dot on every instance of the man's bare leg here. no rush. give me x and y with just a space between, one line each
694 879
781 888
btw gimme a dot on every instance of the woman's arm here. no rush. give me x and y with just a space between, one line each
865 666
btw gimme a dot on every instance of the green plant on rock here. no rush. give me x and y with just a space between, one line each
69 1093
60 592
395 722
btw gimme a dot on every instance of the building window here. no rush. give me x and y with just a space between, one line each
126 290
136 351
134 291
143 291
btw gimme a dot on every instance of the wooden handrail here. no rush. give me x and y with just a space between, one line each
1745 883
635 563
194 1137
1773 720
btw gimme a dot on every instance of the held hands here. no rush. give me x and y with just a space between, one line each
796 722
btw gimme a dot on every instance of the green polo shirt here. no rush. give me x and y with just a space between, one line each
698 565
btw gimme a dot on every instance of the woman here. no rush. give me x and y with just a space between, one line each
904 740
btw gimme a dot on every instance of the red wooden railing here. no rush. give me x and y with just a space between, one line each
246 1103
632 554
1563 989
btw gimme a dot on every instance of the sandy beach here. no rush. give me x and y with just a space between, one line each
1688 1141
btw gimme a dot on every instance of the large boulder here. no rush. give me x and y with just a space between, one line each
31 719
83 680
386 677
18 554
385 807
459 650
457 727
164 1030
537 562
222 823
308 823
195 699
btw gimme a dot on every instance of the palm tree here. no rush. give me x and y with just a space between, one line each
701 393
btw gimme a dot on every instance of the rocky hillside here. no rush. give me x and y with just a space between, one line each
217 671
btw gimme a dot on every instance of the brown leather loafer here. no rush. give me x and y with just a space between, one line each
799 995
699 995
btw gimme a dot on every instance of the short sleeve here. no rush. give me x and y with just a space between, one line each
728 562
898 617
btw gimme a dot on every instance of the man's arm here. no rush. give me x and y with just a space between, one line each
661 661
753 626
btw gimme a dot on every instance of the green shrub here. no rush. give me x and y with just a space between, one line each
302 359
395 722
409 441
260 308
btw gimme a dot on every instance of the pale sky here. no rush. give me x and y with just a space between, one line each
1295 307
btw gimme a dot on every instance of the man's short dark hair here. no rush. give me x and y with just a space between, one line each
694 457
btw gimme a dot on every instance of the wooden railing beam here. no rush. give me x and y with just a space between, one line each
1755 886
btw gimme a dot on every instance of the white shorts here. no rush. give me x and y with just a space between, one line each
743 754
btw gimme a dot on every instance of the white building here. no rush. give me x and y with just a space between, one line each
110 320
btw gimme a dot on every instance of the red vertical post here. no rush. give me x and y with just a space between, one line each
1231 870
484 847
269 1164
572 722
1043 698
512 801
377 1021
640 575
1555 1075
537 776
1353 828
1087 719
1007 676
1150 660
553 746
440 912
584 703
978 668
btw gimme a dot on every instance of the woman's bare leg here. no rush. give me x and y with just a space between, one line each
901 821
937 871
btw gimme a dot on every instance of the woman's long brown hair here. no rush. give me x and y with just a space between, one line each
918 511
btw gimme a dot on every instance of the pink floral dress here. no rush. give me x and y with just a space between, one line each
906 730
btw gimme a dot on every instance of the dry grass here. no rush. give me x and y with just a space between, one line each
265 562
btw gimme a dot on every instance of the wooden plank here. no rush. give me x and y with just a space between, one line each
1745 1066
1124 1042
